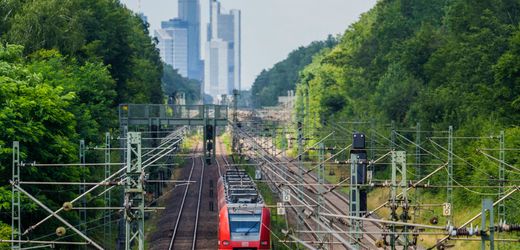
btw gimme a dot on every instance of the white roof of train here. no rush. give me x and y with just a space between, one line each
240 190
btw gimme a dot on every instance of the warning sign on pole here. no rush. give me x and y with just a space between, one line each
286 195
280 209
446 209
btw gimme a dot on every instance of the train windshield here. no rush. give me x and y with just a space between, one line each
244 226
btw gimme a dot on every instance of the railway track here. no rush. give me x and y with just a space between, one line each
338 204
221 152
334 202
189 220
221 167
184 234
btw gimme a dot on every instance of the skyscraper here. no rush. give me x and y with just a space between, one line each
173 44
223 52
179 40
189 11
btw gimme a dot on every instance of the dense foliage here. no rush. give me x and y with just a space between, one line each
274 82
435 62
86 29
174 84
424 61
74 61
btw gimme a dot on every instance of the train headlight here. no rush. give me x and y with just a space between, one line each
225 243
264 243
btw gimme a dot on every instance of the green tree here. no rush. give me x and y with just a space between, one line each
173 83
274 82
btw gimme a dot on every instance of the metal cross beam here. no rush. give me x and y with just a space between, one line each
171 115
165 116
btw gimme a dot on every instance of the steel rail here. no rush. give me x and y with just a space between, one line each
292 207
179 215
296 190
198 208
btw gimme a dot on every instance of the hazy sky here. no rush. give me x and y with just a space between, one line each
270 28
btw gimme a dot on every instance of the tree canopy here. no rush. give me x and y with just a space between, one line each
65 65
433 62
274 82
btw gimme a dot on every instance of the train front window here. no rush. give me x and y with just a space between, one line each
244 226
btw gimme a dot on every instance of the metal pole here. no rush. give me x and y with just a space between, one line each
107 221
502 178
354 200
121 228
487 205
418 170
418 176
134 193
214 139
204 133
449 184
399 167
82 212
300 166
393 200
235 120
392 135
320 189
273 140
16 224
371 168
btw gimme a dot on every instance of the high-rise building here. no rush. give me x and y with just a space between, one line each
189 11
173 44
181 48
223 52
165 45
216 73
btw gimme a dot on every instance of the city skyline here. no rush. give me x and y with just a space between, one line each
189 11
173 44
266 39
222 59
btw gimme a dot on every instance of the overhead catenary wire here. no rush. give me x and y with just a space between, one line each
263 155
435 155
498 160
145 163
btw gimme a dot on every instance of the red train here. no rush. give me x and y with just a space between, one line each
244 221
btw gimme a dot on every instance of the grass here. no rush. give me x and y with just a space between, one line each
226 139
378 196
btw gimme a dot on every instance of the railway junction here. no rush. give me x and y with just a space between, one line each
177 166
